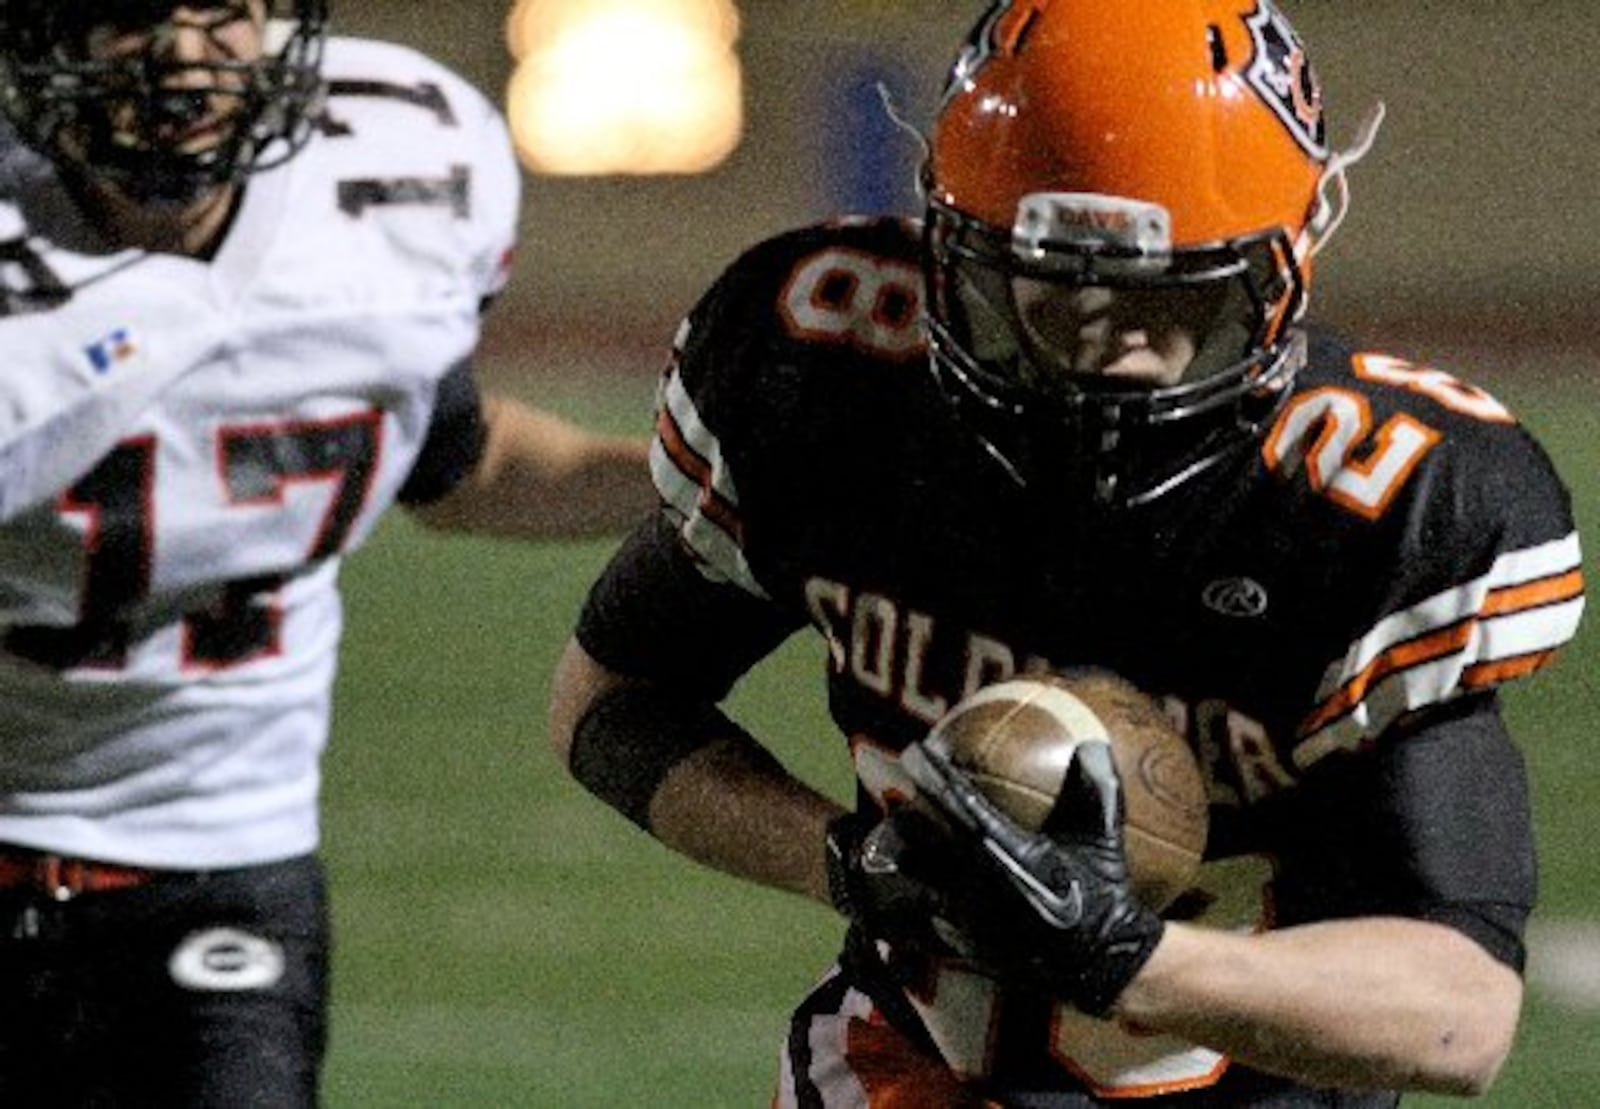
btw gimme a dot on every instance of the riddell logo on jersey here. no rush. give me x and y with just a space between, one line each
1245 598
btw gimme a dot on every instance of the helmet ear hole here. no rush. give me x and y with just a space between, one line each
1219 48
1268 274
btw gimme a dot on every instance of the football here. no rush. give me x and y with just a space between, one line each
1016 738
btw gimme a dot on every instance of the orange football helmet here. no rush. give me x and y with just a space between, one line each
1174 146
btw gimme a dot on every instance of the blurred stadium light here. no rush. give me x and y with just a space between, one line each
624 86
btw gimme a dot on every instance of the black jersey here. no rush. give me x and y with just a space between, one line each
1329 616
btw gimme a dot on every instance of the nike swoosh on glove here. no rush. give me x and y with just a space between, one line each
1050 911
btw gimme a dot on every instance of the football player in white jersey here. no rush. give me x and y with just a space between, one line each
242 267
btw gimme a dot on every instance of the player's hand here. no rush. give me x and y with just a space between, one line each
879 876
1048 911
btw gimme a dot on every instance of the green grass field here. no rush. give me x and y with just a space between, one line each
506 941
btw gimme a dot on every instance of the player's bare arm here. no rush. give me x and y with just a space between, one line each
1384 1002
542 477
723 804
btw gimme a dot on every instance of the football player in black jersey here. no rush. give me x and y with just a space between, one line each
1075 418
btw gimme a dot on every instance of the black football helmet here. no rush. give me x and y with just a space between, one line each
1170 153
120 116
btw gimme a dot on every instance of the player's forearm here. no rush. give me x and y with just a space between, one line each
747 818
722 800
1377 1003
542 478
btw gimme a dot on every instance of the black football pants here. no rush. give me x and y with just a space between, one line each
193 991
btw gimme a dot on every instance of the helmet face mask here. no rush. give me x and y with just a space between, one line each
1046 327
1118 236
162 102
1022 351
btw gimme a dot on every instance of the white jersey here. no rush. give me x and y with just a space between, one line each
171 620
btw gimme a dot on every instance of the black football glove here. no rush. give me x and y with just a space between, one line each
1050 910
871 868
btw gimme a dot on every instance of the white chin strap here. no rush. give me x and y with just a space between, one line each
1331 210
891 108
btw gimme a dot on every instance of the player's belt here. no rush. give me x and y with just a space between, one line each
62 879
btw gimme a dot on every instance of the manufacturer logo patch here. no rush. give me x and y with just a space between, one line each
1241 598
110 351
1282 75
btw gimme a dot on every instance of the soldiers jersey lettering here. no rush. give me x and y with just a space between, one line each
1378 521
171 618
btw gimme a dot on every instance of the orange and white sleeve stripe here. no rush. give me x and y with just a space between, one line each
691 474
1502 625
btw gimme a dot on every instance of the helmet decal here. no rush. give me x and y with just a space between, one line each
1282 76
999 30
